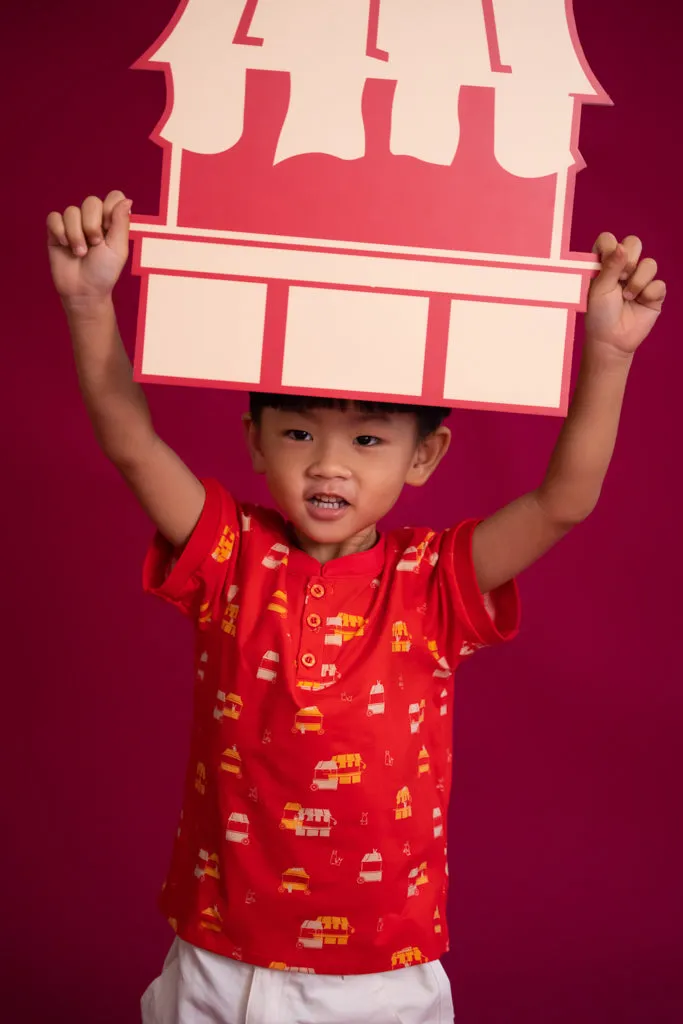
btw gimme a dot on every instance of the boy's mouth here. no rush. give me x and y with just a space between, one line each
328 502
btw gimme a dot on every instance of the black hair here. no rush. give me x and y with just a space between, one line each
429 417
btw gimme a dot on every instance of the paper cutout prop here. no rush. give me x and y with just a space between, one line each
368 198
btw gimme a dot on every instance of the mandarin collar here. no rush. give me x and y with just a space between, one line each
362 563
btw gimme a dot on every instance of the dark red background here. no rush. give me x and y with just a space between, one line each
567 841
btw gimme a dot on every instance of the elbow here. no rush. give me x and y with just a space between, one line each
565 512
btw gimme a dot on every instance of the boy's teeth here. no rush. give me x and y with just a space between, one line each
325 502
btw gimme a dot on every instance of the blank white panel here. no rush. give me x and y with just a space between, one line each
413 275
355 341
506 354
204 328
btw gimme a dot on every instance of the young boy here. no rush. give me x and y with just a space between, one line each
311 857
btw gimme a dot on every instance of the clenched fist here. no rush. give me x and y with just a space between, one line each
625 298
88 247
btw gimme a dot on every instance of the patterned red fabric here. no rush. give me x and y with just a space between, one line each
313 831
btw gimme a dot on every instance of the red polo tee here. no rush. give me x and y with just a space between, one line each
313 832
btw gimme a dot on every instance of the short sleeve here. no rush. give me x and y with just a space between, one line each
472 619
195 578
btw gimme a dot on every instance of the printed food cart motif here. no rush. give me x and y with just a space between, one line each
325 931
468 649
290 816
200 778
328 677
437 819
376 705
417 878
295 880
437 922
277 556
225 545
413 556
211 920
423 767
464 106
341 770
231 762
400 638
342 628
403 804
443 669
408 957
416 715
371 868
443 702
230 616
208 866
238 828
278 603
268 667
307 821
309 720
229 705
277 965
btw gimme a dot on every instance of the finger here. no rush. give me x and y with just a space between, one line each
91 217
56 233
73 224
643 275
117 235
109 203
634 250
613 264
653 295
605 244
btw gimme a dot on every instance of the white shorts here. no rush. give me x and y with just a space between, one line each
196 987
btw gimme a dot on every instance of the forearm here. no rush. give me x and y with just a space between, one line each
581 458
623 306
521 532
116 405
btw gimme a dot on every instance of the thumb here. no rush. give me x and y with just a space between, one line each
613 266
119 229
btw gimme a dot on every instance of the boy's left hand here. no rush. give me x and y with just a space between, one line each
625 300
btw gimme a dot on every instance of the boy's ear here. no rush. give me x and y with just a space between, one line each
252 434
428 455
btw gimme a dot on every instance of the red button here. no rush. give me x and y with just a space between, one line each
317 590
314 620
308 660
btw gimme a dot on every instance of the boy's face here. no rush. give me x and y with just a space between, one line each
334 473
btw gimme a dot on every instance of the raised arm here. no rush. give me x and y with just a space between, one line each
624 303
88 248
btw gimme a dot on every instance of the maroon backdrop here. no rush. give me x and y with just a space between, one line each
567 843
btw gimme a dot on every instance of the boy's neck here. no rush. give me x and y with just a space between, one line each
323 553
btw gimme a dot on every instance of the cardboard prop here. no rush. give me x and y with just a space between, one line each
367 198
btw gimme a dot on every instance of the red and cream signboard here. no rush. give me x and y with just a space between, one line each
368 198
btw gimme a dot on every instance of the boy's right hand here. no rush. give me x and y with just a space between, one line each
88 247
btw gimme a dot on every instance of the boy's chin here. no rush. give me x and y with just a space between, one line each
326 533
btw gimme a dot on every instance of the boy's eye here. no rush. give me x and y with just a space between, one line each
298 435
368 441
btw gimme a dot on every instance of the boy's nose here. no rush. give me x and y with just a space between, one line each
328 464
